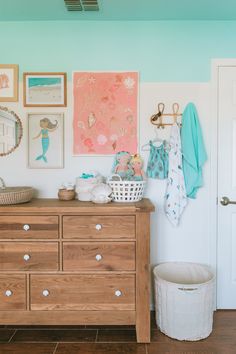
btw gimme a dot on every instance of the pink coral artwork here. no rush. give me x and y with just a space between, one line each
105 112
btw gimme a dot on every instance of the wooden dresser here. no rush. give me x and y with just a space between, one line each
71 262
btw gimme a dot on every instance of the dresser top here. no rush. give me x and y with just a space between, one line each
75 206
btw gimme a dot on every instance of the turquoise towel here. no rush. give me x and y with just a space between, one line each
193 150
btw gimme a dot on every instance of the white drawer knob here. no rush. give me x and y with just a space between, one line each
8 293
98 227
98 257
26 227
46 292
26 257
118 293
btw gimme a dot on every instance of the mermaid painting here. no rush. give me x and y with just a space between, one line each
46 127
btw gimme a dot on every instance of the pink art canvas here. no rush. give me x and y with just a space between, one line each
105 112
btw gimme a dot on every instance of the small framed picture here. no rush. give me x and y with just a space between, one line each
46 140
45 89
8 82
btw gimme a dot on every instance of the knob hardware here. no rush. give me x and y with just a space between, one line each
226 201
98 257
46 292
98 227
27 257
8 293
118 293
26 227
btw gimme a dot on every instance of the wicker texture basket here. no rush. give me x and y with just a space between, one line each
64 194
126 191
14 195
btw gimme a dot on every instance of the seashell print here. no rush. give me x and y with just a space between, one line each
129 83
101 139
91 80
105 99
91 119
80 82
123 131
130 118
114 145
113 137
80 124
113 120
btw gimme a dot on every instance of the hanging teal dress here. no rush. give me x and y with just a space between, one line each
193 150
158 162
45 145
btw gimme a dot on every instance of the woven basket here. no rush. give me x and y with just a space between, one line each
14 195
126 191
64 194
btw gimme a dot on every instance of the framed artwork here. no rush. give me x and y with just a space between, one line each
105 112
45 89
45 140
8 82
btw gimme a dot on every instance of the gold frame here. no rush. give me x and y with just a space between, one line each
15 68
5 109
64 104
62 114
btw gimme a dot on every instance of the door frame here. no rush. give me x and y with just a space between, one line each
214 89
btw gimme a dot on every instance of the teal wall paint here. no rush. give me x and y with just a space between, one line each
134 10
161 51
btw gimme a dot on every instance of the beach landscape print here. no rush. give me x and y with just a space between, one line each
8 82
45 141
44 89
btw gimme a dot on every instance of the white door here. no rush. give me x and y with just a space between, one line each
7 134
226 258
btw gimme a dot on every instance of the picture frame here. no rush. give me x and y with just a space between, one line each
44 89
9 82
105 112
46 140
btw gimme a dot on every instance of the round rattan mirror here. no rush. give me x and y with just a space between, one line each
10 131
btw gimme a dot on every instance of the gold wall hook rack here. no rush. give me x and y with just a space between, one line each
157 118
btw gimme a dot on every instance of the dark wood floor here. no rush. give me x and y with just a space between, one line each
114 340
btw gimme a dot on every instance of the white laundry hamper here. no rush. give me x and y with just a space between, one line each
184 300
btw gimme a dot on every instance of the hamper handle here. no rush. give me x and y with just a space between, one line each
187 289
114 175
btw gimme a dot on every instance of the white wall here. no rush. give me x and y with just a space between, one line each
191 240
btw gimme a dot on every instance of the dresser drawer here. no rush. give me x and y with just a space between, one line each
12 292
28 256
99 256
28 227
82 292
96 227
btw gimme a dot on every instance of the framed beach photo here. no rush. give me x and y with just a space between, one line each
46 140
8 82
45 89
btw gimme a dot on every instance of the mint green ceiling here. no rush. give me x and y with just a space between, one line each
36 10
